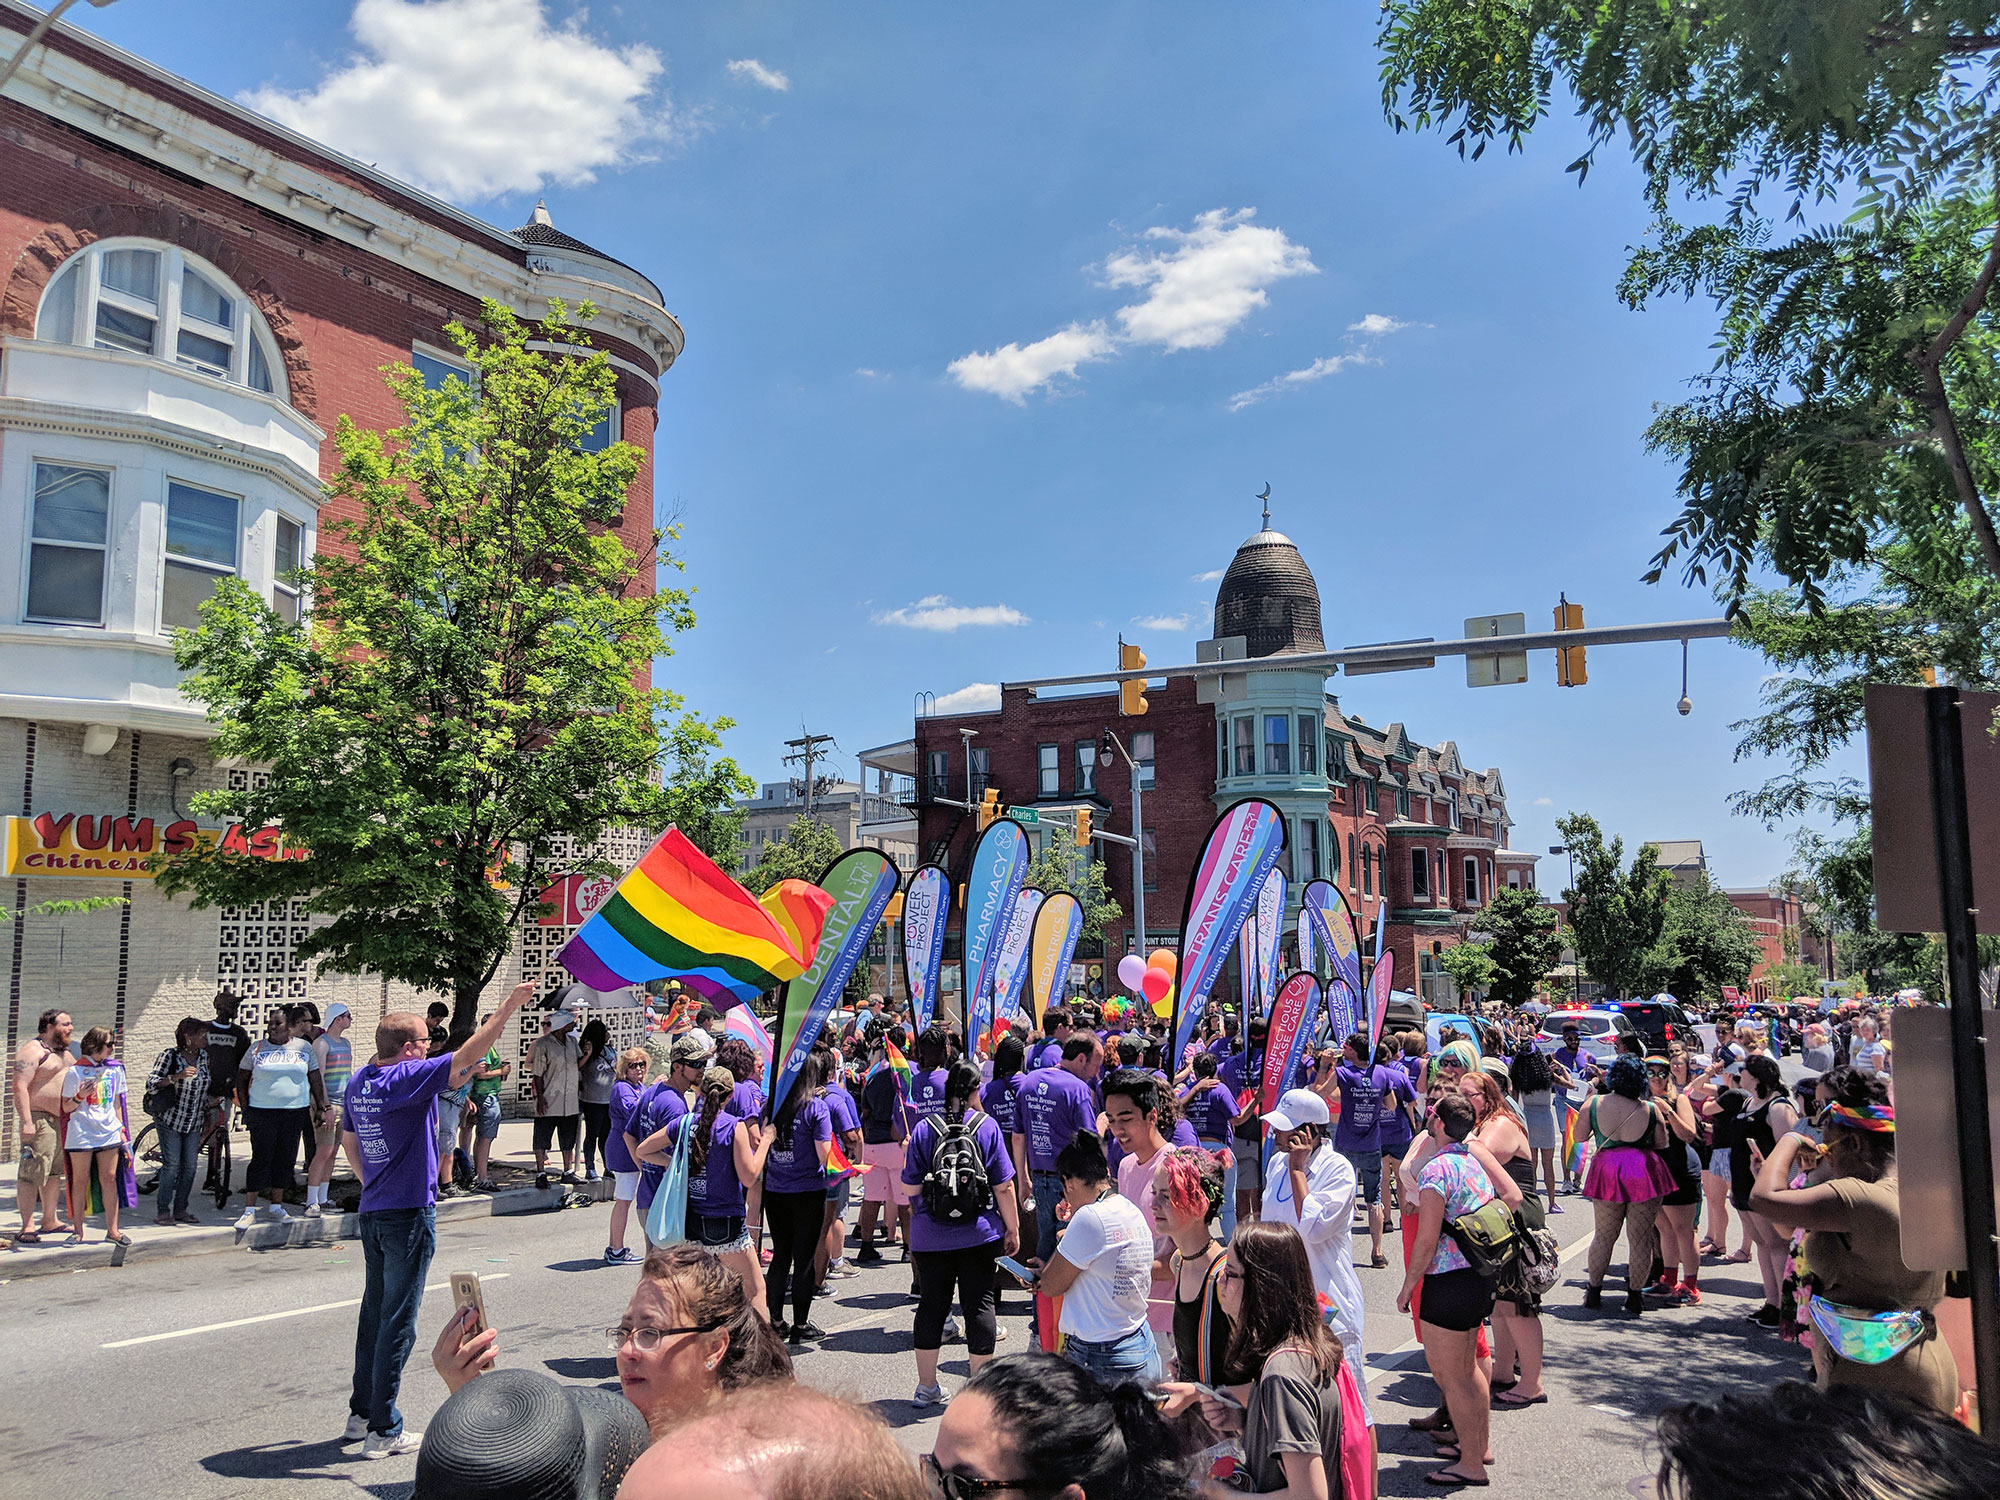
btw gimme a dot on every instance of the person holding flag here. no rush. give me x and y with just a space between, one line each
885 1126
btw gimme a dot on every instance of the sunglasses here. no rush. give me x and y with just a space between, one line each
952 1486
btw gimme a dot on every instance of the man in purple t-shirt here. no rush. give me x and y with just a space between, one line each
1368 1094
1054 1104
389 1133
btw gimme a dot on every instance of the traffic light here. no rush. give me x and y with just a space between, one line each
989 808
1083 828
1131 695
1570 671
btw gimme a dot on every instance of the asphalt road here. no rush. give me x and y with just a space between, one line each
226 1375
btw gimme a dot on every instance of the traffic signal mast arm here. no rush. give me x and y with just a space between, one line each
1410 652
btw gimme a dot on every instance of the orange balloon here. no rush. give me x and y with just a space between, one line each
1163 958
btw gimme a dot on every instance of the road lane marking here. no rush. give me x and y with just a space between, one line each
296 1312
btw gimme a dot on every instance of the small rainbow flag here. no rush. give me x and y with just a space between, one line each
1573 1149
839 1168
895 1062
678 915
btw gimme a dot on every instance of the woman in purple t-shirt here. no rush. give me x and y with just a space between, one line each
954 1243
795 1198
726 1153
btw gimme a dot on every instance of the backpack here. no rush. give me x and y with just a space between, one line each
956 1189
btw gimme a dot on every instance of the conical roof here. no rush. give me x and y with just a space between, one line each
1268 597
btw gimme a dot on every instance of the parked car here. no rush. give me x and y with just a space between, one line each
1599 1031
1659 1020
1484 1033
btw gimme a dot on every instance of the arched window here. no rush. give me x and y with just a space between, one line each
144 297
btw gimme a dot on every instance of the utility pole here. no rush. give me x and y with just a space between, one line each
806 751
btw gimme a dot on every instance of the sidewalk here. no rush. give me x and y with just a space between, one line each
512 1163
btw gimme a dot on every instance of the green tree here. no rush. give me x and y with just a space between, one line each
1524 945
1705 943
1053 870
1789 979
805 851
1470 966
1616 912
463 693
701 788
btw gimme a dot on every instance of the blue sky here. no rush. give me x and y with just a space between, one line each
1216 266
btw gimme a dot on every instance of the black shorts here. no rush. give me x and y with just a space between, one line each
557 1127
715 1232
1458 1301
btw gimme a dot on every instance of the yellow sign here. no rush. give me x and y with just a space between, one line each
73 846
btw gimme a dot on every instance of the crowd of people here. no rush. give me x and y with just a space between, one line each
1193 1257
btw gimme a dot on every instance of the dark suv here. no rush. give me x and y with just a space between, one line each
1659 1022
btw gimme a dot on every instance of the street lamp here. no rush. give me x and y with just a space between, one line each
1576 964
1105 748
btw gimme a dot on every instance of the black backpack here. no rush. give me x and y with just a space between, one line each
956 1189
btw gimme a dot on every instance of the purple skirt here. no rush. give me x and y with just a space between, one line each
1627 1174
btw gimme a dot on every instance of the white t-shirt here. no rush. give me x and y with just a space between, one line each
1111 1243
94 1122
1867 1058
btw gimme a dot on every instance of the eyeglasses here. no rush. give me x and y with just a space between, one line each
1660 1071
952 1486
1229 1273
646 1340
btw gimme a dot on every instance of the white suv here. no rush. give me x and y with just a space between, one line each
1598 1030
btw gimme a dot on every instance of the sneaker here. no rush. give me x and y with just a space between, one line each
951 1334
182 1216
782 1329
247 1219
356 1429
570 1178
276 1214
451 1190
591 1175
313 1210
164 1221
1765 1316
806 1332
823 1292
624 1255
1685 1294
927 1395
870 1256
541 1179
403 1442
842 1270
487 1185
1000 1331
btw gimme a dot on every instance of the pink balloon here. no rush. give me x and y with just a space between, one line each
1131 971
1155 983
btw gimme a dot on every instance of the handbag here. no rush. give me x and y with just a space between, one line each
161 1098
666 1220
1486 1236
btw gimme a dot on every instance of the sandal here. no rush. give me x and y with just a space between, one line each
1450 1451
1508 1398
1451 1478
1437 1421
27 1237
120 1238
1740 1258
1379 1260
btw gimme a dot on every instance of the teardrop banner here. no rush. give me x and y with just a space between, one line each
860 882
1270 934
999 864
1241 849
1248 995
1333 923
1381 980
1051 946
1291 1026
1343 1008
1010 971
1308 960
926 914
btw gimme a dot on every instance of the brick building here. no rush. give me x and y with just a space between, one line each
1390 820
193 296
1777 916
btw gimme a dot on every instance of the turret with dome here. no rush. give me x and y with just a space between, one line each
1268 596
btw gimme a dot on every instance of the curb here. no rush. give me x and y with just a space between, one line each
161 1244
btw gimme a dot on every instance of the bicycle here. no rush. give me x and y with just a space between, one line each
214 1143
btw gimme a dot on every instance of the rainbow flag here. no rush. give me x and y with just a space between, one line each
677 915
839 1168
742 1022
1573 1149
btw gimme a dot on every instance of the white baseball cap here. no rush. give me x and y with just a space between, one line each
336 1010
561 1019
1298 1107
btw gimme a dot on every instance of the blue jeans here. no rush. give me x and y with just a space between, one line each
1048 1193
180 1160
396 1243
1228 1186
1132 1360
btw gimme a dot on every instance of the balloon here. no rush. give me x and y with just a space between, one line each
1164 1005
1163 958
1131 971
1155 983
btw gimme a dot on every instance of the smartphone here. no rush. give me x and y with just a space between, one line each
1215 1395
465 1293
1014 1268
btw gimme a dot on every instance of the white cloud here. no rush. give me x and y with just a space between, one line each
1209 577
1013 370
1170 623
970 699
751 71
1211 279
1543 802
473 98
937 612
1198 285
1360 337
867 374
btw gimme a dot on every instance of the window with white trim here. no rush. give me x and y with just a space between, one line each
67 544
1086 768
1308 860
204 542
143 297
1142 752
1048 771
1471 881
1308 746
1420 873
287 545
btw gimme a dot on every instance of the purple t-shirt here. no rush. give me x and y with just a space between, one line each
746 1101
716 1190
392 1112
1238 1069
1053 1105
1211 1111
1045 1055
846 1113
1396 1129
659 1107
1365 1094
624 1104
797 1168
926 1233
1000 1099
927 1092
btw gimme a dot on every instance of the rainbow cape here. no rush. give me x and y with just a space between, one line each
676 915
